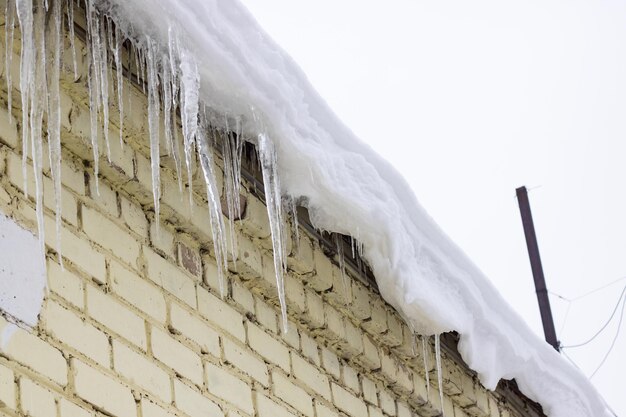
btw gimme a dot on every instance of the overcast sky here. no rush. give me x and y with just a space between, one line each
470 100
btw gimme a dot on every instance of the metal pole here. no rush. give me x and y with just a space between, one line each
535 264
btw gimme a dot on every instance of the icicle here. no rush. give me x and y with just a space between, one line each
413 342
104 85
153 125
25 17
9 32
54 118
172 60
93 82
120 80
189 85
426 370
70 24
267 157
439 374
38 98
342 265
205 154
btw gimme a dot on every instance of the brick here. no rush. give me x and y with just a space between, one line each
330 362
36 401
300 259
246 361
211 275
228 387
83 255
351 379
323 278
290 335
150 409
310 349
194 329
396 372
248 264
378 320
374 412
268 408
348 402
295 396
266 316
141 371
34 353
393 335
175 355
163 239
193 403
405 411
7 388
112 314
73 175
370 357
134 217
220 314
294 292
336 329
310 376
189 259
268 347
138 292
8 129
105 197
315 309
353 345
66 284
69 204
110 236
69 409
370 392
359 306
98 388
255 222
170 277
242 296
73 331
322 410
387 403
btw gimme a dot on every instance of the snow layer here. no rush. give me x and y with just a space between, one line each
22 274
350 189
212 54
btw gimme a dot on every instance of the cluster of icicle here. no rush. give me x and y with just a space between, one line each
169 76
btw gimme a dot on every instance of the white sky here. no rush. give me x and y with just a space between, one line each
470 100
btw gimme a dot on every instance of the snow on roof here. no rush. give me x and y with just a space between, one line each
229 71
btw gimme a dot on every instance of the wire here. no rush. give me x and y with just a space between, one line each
562 297
619 300
619 325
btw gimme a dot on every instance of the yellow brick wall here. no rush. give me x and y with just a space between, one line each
134 324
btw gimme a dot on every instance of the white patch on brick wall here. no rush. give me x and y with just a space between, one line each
22 273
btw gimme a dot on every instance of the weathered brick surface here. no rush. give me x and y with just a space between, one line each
135 324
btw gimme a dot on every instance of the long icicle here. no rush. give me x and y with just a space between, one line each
9 32
27 55
426 370
70 25
439 374
267 156
54 118
205 154
93 82
153 126
119 71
